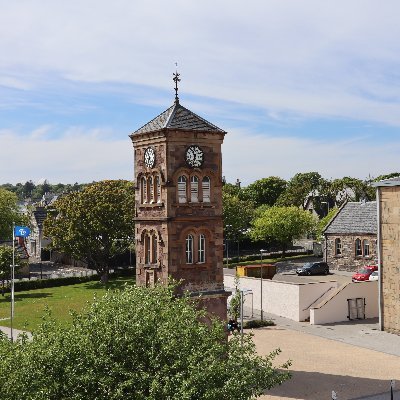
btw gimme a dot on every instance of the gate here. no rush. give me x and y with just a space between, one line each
356 308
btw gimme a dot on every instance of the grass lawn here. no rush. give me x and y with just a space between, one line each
29 305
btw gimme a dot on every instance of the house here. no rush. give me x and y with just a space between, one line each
388 211
351 237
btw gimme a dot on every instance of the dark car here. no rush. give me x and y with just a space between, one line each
313 268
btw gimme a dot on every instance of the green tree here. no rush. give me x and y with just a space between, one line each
300 187
387 176
139 343
264 191
9 213
323 222
283 225
237 215
6 259
352 189
94 225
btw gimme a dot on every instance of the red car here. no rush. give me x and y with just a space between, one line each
364 273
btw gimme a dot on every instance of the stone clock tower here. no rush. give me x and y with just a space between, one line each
178 224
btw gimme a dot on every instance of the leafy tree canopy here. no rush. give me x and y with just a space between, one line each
237 215
352 189
139 343
300 187
282 224
9 213
387 176
323 222
264 191
6 259
94 225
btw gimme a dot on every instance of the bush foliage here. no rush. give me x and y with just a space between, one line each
138 343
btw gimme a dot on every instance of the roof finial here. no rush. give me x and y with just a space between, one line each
176 79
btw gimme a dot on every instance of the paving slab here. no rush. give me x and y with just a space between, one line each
320 365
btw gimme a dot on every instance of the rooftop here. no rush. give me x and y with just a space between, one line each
178 117
354 217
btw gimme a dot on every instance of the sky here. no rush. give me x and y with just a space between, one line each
298 86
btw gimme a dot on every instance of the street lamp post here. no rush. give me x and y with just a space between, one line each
262 251
226 242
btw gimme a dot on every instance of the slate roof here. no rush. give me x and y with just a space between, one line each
178 117
354 217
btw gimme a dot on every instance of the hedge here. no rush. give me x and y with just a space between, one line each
20 286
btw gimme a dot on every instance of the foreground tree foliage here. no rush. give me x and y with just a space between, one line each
138 343
94 225
283 225
9 213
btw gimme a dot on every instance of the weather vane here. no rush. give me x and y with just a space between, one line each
176 79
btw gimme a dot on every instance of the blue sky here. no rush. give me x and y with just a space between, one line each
298 85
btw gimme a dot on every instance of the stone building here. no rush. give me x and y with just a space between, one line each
388 198
178 224
351 237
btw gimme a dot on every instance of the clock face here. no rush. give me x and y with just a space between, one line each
194 156
149 157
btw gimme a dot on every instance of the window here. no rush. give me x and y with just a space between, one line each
366 248
158 189
147 250
143 190
202 250
206 189
358 247
151 190
189 249
338 247
154 249
182 189
194 189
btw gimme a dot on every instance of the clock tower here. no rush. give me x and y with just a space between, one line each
178 221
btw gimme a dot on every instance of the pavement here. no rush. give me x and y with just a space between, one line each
355 359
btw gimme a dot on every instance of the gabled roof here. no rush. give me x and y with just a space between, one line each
354 217
178 117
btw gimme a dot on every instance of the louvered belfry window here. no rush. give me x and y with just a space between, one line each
182 189
206 187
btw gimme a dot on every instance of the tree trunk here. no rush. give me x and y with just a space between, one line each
104 275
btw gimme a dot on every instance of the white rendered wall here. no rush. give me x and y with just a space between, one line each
286 299
335 309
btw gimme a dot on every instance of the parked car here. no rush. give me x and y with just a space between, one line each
364 273
313 268
374 276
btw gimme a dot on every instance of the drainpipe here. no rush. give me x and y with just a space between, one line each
379 249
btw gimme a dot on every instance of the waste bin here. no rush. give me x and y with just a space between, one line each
254 271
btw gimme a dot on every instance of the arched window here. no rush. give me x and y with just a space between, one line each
151 190
143 190
205 185
202 248
366 247
189 249
358 249
182 189
194 189
147 249
154 249
338 247
158 189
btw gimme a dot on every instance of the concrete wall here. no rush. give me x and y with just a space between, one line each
290 300
335 308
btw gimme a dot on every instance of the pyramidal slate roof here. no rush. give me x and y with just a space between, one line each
354 217
178 117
